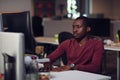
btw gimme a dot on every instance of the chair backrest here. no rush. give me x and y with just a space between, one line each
20 22
62 37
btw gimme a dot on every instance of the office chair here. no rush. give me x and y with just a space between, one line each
37 26
62 37
20 22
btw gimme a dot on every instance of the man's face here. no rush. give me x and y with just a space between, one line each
79 30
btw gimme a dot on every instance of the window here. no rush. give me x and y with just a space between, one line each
72 9
76 8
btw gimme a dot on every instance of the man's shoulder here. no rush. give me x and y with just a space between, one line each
95 38
68 41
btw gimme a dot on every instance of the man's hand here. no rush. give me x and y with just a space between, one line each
62 68
47 66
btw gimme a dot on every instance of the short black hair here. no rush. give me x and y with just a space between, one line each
85 19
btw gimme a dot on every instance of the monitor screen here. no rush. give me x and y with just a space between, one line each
1 24
13 45
100 27
20 22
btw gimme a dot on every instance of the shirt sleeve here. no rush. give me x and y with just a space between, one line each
57 53
95 63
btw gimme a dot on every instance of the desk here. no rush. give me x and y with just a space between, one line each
115 48
46 40
51 40
77 75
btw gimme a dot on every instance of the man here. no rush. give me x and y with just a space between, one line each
83 52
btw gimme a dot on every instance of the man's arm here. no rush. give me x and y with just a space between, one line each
57 53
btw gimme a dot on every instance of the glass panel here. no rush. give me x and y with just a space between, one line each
72 9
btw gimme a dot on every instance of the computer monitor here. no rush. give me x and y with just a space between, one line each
20 22
13 45
100 27
1 24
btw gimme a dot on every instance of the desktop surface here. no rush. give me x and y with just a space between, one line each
77 75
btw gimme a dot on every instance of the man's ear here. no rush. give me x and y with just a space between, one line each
88 29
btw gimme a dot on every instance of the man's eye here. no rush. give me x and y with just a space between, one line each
78 26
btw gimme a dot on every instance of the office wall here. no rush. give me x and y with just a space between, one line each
103 7
52 27
58 3
8 6
116 10
115 28
110 8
